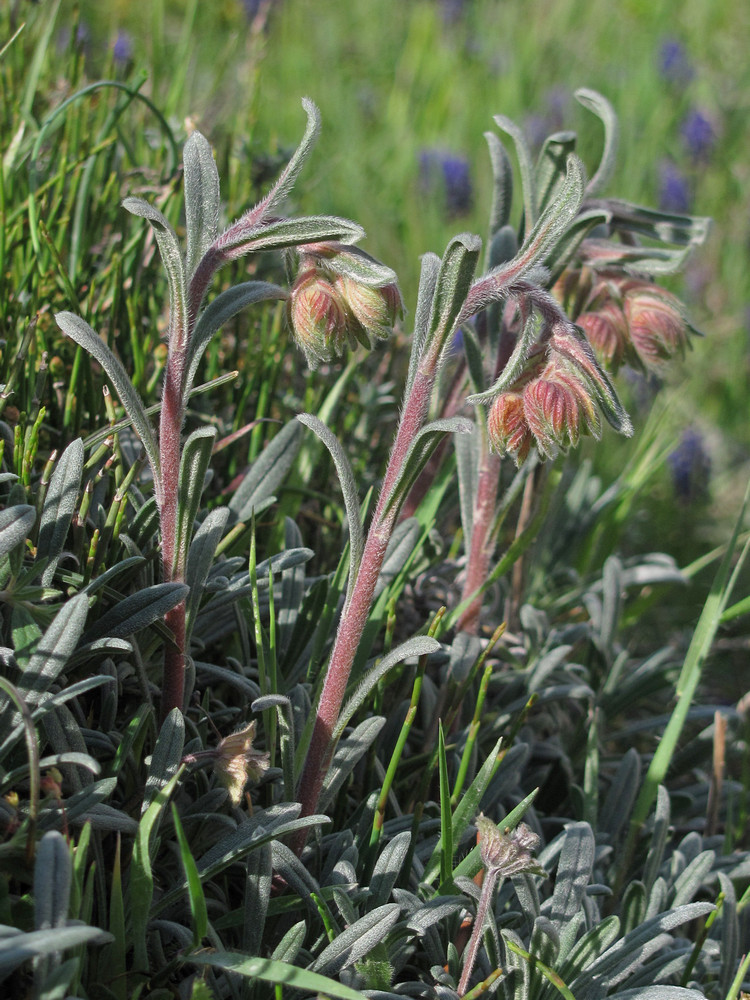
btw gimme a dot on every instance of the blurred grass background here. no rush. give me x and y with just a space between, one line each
400 82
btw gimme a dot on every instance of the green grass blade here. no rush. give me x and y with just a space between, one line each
196 896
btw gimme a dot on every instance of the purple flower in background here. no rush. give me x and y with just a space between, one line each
122 50
539 126
452 10
690 467
698 135
674 193
439 168
674 64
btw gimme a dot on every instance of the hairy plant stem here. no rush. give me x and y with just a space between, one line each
472 949
355 613
173 568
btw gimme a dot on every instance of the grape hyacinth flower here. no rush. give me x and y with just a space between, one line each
690 466
673 62
674 193
122 49
439 168
698 135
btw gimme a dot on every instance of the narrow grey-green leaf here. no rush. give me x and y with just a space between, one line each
79 331
15 524
601 107
54 649
418 645
453 283
194 462
387 869
348 489
428 278
358 264
267 472
171 255
525 168
502 187
274 971
348 754
227 304
201 198
283 233
201 559
52 879
18 947
138 610
289 175
574 869
551 167
59 506
165 760
466 446
357 940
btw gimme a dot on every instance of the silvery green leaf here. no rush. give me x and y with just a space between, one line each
545 941
421 448
138 611
465 650
551 167
433 911
357 940
612 593
79 804
348 489
466 447
201 559
105 578
98 649
171 256
267 472
194 462
453 283
615 812
102 816
730 934
15 524
658 992
283 233
601 107
633 950
286 180
52 878
693 879
201 179
165 760
388 868
502 187
293 590
258 878
633 906
352 262
295 874
219 311
59 506
54 650
277 972
420 645
594 943
17 947
348 753
428 277
291 944
525 168
79 331
662 816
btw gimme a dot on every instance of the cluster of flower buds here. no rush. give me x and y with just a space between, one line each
340 298
554 402
627 320
507 852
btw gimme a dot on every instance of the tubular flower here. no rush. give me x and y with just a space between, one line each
558 409
508 430
372 311
606 330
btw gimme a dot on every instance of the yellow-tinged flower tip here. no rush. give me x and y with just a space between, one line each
374 309
507 427
236 762
606 330
657 326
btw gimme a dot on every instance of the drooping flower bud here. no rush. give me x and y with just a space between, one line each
607 331
657 326
507 428
558 408
375 310
236 762
507 852
318 317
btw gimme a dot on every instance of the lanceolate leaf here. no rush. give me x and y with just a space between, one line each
292 232
267 472
80 331
524 166
226 305
601 107
284 184
138 610
357 940
54 649
453 283
52 876
59 507
201 558
171 256
280 973
348 489
15 524
502 191
201 198
194 462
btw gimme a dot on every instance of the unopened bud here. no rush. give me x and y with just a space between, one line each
558 409
317 317
607 331
507 852
374 309
657 326
507 428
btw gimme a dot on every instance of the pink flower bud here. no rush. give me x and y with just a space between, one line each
607 331
318 317
558 409
507 852
507 428
657 326
374 309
